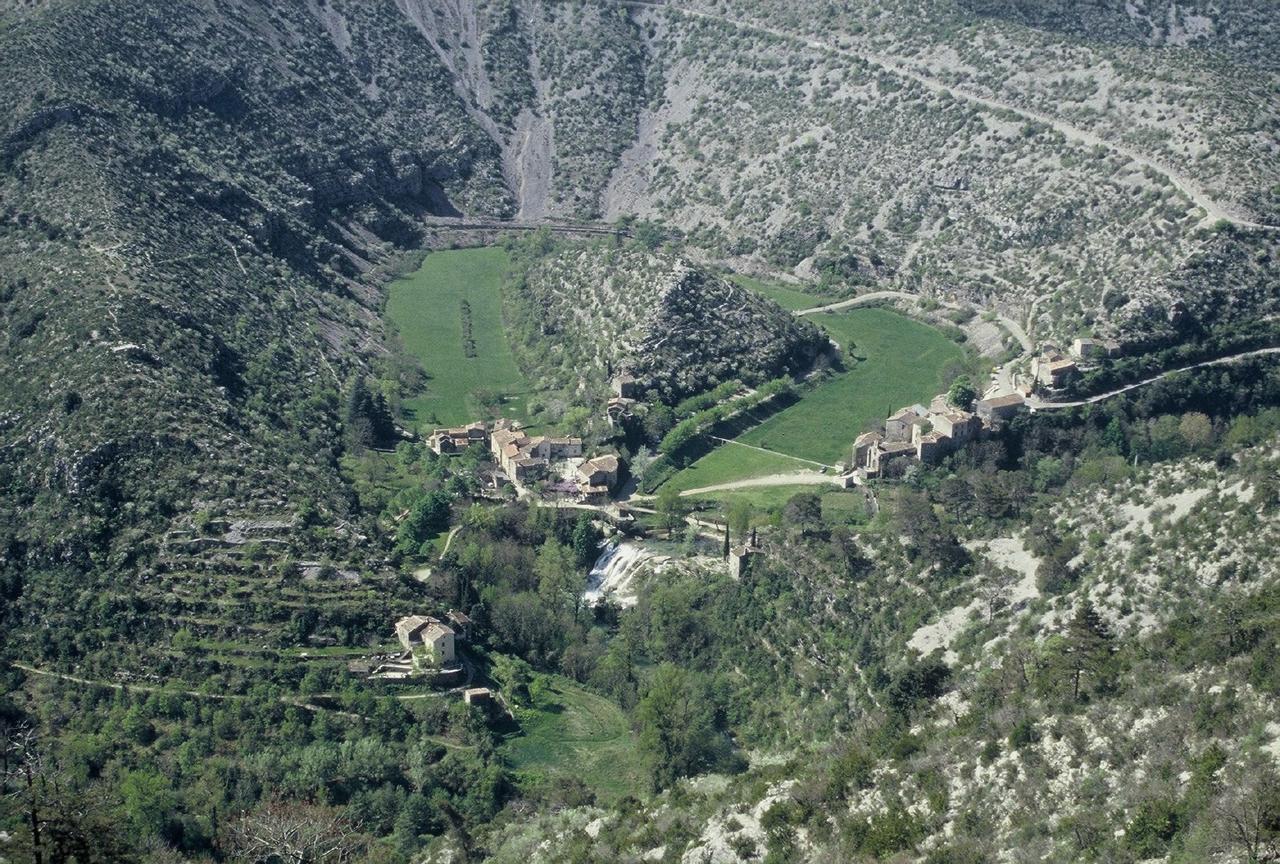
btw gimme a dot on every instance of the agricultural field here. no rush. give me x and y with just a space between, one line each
891 361
784 296
728 462
761 498
449 316
571 732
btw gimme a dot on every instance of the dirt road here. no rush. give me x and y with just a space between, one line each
1190 188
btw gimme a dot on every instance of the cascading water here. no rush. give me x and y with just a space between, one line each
613 572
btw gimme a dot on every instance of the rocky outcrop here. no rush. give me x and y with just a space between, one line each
589 312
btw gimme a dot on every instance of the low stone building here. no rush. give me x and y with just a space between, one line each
960 426
886 452
428 640
598 475
740 556
625 386
899 425
1000 409
1053 370
447 442
1094 349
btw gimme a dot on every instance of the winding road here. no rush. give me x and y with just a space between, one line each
1014 328
1190 188
1038 404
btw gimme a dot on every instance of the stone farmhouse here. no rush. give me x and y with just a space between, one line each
596 477
524 458
625 386
1094 349
1053 370
427 645
448 442
428 640
999 409
928 434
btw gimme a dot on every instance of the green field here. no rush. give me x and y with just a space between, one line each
760 498
784 296
892 361
575 733
426 309
728 462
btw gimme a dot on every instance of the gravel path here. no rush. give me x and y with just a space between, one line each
798 478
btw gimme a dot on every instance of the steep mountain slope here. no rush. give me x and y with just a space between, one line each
587 313
193 196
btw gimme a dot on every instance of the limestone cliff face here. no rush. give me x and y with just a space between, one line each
587 312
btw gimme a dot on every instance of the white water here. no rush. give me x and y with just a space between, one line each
612 575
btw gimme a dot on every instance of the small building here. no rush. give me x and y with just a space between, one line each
1000 409
1053 371
740 556
879 457
625 386
477 696
617 409
899 425
599 471
932 446
447 442
461 622
864 444
960 426
1094 349
427 640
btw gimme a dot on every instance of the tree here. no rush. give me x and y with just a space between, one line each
559 584
148 801
367 418
803 510
962 393
671 508
677 725
1196 429
586 539
426 518
1085 650
1246 816
294 833
658 421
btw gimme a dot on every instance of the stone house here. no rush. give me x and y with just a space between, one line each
960 426
446 442
1000 409
1094 349
879 457
740 556
427 639
625 386
1053 370
899 425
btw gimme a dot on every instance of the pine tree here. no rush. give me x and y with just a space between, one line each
1087 647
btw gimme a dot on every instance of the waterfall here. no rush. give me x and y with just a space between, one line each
613 572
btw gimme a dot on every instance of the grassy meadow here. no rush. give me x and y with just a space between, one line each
890 360
784 296
572 732
427 310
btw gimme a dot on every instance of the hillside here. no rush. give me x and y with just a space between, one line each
217 496
1071 662
586 314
